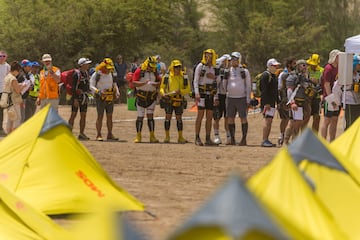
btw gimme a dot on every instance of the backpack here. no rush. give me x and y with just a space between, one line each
66 78
256 84
129 79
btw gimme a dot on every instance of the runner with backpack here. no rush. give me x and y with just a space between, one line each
223 63
283 108
106 92
173 88
205 88
238 88
146 80
80 88
269 97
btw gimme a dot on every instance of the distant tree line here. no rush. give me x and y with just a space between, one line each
258 29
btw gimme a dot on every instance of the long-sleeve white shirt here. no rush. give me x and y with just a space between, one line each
202 80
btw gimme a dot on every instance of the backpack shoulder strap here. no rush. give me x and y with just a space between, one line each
269 74
77 71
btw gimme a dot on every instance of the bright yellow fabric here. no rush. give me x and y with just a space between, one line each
348 143
208 233
175 83
289 199
56 173
339 193
149 62
20 221
104 223
216 233
214 57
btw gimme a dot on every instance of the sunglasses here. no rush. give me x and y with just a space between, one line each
3 56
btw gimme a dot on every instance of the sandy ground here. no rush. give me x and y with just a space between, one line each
172 180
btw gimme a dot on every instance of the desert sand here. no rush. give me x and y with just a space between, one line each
172 180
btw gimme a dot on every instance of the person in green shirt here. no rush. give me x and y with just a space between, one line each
315 72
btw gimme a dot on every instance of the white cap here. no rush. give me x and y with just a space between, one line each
46 57
236 54
83 61
332 56
272 62
226 56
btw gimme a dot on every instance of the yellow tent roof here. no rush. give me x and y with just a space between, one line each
333 179
232 213
43 163
18 220
348 142
290 200
104 224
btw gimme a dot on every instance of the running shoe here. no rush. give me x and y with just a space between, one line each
182 140
83 137
99 138
217 139
209 142
242 142
198 142
112 138
267 143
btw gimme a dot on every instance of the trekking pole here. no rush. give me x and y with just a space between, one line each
151 214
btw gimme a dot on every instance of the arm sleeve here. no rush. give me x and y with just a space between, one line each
196 78
93 88
265 87
248 86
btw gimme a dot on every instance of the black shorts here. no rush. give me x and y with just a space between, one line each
206 102
82 107
315 106
284 111
220 110
328 113
169 109
104 106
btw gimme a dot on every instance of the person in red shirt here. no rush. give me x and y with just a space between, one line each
329 77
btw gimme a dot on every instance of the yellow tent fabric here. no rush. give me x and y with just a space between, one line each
232 213
20 221
286 195
348 142
105 225
43 163
217 233
336 185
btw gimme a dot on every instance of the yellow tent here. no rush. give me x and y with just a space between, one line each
333 178
20 221
43 163
232 213
104 225
348 142
288 197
